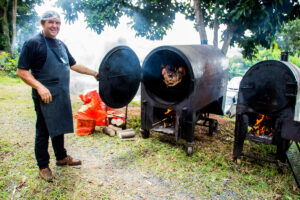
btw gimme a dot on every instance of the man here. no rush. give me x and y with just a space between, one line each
49 62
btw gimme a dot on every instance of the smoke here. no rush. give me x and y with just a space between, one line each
92 59
26 28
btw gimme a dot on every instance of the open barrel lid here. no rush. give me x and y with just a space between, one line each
119 76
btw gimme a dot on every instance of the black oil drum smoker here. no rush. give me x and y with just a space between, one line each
200 91
269 103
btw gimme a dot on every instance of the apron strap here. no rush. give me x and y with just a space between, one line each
60 46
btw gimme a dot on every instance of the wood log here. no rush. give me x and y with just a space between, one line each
98 128
114 128
109 131
129 133
118 122
125 130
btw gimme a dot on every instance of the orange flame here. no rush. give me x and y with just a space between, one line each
171 113
260 127
168 111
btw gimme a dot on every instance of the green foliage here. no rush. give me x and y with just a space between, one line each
288 38
150 19
26 21
271 54
264 54
9 63
295 59
237 67
261 19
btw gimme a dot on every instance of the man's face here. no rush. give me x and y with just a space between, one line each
51 27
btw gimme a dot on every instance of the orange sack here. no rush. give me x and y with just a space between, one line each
85 125
92 113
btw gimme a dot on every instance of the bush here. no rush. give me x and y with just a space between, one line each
8 63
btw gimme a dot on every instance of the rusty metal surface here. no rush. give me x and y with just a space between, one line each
201 90
207 75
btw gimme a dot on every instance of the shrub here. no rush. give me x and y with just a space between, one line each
8 63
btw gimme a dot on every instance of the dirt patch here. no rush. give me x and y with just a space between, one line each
110 171
134 111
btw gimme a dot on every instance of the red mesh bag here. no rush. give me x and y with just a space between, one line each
85 125
87 97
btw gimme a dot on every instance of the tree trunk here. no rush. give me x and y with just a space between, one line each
5 28
227 39
200 21
216 29
14 21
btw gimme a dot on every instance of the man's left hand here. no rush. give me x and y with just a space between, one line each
96 76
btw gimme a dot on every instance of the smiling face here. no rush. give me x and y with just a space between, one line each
51 27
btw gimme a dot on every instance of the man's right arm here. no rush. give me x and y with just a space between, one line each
28 78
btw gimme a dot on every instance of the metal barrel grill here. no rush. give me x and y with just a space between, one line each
170 109
269 103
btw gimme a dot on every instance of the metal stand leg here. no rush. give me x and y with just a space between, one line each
240 132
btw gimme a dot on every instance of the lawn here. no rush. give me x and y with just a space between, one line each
154 168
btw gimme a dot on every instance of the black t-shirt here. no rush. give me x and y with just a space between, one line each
34 52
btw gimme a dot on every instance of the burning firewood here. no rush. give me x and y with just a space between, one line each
262 126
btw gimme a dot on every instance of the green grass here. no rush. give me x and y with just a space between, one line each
5 80
208 174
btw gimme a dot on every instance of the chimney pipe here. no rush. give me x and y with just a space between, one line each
284 56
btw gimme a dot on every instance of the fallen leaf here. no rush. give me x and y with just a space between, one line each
91 181
101 184
22 183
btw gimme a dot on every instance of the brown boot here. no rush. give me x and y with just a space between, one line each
68 161
46 174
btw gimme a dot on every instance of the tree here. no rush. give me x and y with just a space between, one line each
261 18
15 17
150 19
238 67
288 38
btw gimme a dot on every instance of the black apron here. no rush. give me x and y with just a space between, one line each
55 75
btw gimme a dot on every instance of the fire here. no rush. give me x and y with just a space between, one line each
262 125
168 111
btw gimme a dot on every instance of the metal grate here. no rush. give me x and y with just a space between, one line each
293 156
